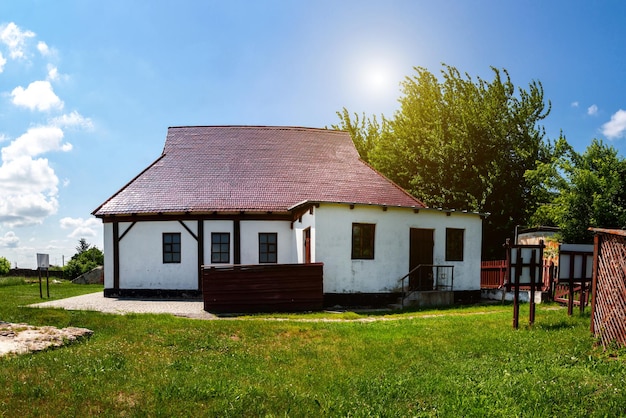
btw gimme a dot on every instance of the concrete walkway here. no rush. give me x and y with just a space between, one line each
97 302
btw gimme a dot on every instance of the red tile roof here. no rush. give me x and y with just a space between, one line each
251 168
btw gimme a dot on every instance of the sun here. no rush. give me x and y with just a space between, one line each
377 79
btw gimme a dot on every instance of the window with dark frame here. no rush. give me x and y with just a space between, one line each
363 241
171 247
220 247
454 244
268 247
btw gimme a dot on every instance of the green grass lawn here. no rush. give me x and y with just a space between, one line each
451 362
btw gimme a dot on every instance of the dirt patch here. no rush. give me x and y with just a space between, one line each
24 338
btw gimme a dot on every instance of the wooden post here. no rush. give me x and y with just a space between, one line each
116 255
48 283
515 279
583 283
507 267
594 280
570 284
533 277
40 291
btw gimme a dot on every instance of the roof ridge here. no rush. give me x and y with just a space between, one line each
264 127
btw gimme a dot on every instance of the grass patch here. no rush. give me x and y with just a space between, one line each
453 362
12 281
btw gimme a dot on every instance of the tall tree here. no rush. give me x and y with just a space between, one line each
576 191
461 143
86 258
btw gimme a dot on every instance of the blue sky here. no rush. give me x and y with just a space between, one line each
88 89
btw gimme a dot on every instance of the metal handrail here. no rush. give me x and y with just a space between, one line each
437 266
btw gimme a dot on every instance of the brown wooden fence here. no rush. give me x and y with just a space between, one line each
608 309
263 288
493 275
579 292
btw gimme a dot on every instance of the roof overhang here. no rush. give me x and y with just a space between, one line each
306 204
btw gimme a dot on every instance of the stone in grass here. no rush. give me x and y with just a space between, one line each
24 338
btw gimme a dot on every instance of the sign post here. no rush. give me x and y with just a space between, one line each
576 266
43 263
525 269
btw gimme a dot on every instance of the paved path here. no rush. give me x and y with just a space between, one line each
97 302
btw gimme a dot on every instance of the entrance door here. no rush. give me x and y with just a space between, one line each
306 238
421 254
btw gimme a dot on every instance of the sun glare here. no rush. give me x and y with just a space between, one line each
377 79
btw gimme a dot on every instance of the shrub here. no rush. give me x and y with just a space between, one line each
87 258
5 266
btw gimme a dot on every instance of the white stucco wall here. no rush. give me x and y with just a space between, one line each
108 255
392 244
142 267
250 240
141 257
307 221
217 226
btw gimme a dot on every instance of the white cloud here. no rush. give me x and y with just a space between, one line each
592 110
29 186
3 61
53 72
73 120
26 176
43 48
10 240
616 126
80 227
38 95
13 37
27 209
574 104
36 141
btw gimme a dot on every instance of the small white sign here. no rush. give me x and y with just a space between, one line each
526 264
575 262
43 261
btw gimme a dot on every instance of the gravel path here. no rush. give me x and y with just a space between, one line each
97 302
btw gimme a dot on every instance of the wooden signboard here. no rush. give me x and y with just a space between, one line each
43 263
575 267
525 269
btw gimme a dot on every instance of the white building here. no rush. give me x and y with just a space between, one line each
238 195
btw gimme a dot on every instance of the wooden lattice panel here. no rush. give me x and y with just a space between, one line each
609 293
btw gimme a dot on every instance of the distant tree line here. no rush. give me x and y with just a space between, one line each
472 144
87 257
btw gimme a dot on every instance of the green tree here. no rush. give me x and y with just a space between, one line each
86 258
5 266
460 143
576 191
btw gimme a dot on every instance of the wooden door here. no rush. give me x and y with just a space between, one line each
307 245
421 254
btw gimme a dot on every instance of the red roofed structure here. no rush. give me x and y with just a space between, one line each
218 193
254 169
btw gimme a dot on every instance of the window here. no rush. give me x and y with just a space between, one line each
454 244
171 247
220 247
363 241
268 248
